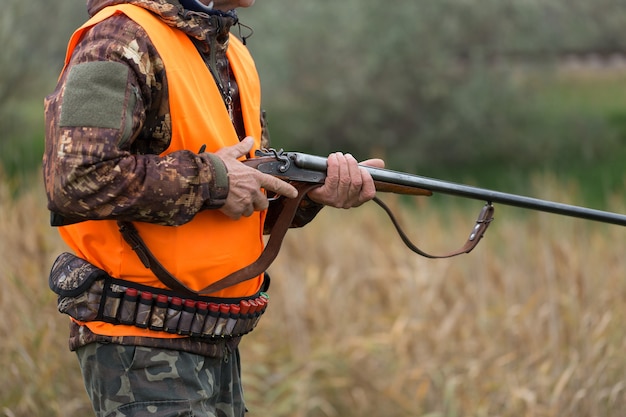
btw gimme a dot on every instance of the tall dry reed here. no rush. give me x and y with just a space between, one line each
529 324
38 376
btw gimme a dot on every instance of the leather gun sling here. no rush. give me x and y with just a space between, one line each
482 222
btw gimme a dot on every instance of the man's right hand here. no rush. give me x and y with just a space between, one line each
245 183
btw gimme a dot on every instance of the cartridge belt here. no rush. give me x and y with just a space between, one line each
88 293
155 310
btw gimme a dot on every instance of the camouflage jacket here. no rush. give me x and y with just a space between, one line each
102 145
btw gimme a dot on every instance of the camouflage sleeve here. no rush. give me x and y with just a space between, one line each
106 123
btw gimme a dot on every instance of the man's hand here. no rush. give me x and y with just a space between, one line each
245 183
347 185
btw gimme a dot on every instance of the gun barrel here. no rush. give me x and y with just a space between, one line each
318 163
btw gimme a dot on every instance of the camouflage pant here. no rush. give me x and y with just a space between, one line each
136 381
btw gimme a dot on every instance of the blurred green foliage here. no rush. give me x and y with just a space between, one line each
430 84
455 86
33 36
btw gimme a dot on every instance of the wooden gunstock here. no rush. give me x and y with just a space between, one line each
387 187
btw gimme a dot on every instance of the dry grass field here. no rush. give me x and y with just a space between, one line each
530 324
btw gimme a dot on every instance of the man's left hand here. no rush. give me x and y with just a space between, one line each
347 184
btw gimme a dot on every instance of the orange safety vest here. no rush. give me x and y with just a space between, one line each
212 245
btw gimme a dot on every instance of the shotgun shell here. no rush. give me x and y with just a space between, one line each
232 319
186 317
173 314
129 306
112 305
202 309
262 302
211 319
157 318
254 306
222 319
142 319
244 308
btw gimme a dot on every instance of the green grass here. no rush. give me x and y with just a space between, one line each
598 93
